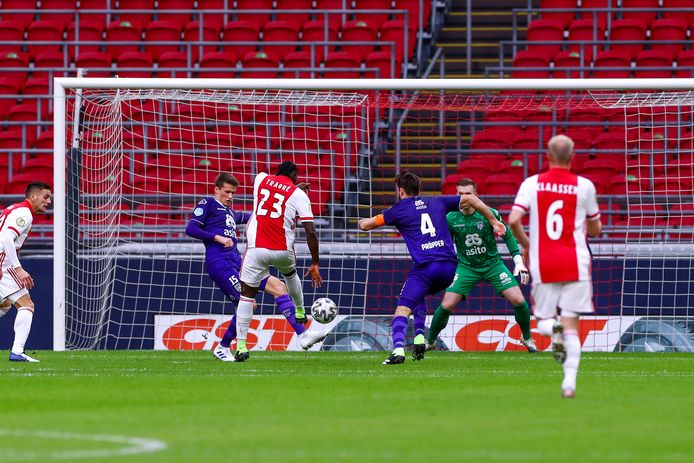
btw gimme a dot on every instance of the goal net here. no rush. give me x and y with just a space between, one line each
138 160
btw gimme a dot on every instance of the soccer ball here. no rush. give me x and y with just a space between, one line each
324 310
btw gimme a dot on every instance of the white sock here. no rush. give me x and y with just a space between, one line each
573 358
22 326
295 288
546 326
244 314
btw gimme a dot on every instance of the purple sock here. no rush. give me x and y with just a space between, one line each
420 315
399 328
230 333
286 306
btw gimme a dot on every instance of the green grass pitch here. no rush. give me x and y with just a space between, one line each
345 407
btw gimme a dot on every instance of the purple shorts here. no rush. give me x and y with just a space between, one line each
226 275
424 280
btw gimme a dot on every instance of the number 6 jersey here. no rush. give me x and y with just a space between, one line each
277 203
559 203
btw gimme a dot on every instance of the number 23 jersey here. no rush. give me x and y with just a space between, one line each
559 203
277 203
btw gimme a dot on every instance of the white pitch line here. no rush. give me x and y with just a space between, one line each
132 446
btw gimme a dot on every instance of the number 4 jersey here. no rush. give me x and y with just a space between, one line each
421 220
277 203
559 203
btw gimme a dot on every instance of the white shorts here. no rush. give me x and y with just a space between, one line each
257 263
574 296
10 287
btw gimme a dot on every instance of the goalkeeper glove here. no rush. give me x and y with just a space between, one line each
521 269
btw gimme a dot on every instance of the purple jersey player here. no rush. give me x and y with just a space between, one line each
214 223
421 221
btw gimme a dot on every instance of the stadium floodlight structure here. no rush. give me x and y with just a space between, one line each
133 156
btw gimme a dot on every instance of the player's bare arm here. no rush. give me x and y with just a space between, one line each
594 227
371 223
312 241
515 221
477 204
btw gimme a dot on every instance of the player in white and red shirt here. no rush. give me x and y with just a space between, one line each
15 282
562 207
270 234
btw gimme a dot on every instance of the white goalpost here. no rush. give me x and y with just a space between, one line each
133 157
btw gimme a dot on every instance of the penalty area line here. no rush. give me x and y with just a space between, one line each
130 445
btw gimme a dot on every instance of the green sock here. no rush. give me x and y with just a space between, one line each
523 318
241 345
438 323
299 312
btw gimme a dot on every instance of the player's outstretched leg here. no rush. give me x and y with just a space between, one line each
398 328
223 351
438 323
295 289
522 316
244 314
573 358
420 343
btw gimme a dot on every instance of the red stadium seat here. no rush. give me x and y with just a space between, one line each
342 65
606 62
193 32
47 64
122 31
13 145
335 20
98 63
567 64
89 31
564 17
377 19
22 18
162 31
394 31
588 10
476 169
135 59
179 19
67 14
586 31
297 19
654 58
9 88
681 215
171 63
280 31
358 31
39 88
138 20
668 29
11 30
215 20
260 60
628 29
39 168
502 184
530 59
670 13
100 17
387 68
259 18
297 60
495 139
194 183
45 140
613 165
646 16
14 60
685 64
545 30
18 183
315 32
224 63
417 10
241 31
44 31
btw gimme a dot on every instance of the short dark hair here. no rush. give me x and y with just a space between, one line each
466 182
288 169
225 177
36 186
410 182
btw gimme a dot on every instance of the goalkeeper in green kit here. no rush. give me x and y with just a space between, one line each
479 260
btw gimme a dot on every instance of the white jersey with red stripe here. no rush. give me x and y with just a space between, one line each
277 204
16 219
559 203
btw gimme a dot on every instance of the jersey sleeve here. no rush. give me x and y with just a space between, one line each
451 203
19 221
523 198
200 212
592 210
390 215
303 206
241 217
